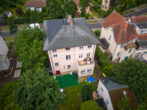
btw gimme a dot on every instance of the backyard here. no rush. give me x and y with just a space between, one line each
73 97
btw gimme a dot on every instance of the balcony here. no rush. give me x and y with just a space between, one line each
86 61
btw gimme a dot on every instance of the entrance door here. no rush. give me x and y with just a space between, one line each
57 72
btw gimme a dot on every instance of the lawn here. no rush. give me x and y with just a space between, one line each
73 99
67 80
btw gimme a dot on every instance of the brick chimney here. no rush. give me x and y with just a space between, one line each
70 20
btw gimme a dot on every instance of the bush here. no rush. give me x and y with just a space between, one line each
19 11
97 33
86 92
90 105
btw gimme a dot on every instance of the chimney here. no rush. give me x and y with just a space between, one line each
70 20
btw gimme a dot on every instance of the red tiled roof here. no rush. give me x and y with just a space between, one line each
35 3
123 30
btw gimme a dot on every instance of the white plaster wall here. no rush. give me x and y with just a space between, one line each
86 67
74 53
105 33
33 8
103 92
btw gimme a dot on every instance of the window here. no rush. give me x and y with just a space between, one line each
82 71
54 50
118 53
137 55
89 70
67 57
55 56
80 56
68 66
56 64
67 49
102 89
130 50
121 46
89 46
1 66
107 102
88 54
109 37
81 47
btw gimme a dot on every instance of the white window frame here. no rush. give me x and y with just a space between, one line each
89 70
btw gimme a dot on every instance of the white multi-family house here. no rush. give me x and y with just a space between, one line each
70 45
4 61
35 5
124 37
112 93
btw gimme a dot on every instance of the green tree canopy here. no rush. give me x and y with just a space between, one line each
124 104
29 48
60 8
90 105
86 92
133 73
38 91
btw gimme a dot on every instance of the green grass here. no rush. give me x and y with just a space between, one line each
93 21
67 80
73 99
9 38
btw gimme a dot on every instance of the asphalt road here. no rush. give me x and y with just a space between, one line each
95 25
7 34
137 13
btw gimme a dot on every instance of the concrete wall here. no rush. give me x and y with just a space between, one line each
103 92
74 53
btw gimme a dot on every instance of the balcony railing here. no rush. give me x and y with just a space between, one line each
85 62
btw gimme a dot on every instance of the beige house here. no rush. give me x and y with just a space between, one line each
70 45
124 37
106 4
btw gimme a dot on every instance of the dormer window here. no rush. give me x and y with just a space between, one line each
89 46
67 49
54 50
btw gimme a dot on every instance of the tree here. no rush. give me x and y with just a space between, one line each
124 104
28 46
55 8
12 25
133 73
70 8
7 97
86 92
90 105
38 91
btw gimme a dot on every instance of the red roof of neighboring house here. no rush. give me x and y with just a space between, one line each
124 30
35 3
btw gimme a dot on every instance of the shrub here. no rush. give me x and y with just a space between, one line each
19 11
86 92
90 105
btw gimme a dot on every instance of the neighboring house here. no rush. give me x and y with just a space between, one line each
70 45
35 5
7 13
4 61
113 92
106 4
77 2
124 37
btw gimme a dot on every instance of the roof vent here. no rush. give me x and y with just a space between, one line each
129 20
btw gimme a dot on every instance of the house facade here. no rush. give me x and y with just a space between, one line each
70 45
124 37
106 4
4 61
113 92
35 5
